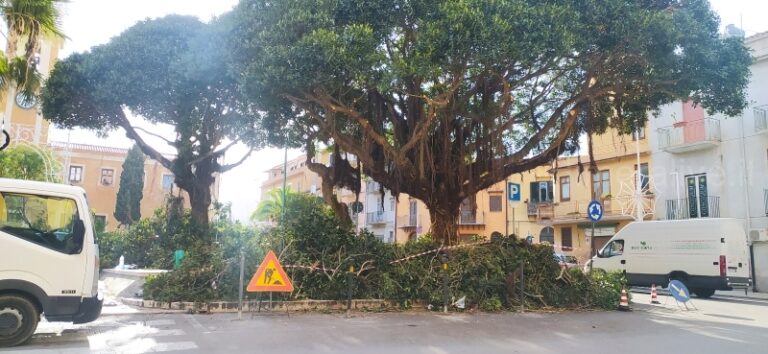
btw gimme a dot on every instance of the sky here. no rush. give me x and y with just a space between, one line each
92 22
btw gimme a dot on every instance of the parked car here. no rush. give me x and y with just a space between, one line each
564 260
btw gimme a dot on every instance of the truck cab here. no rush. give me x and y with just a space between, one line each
49 260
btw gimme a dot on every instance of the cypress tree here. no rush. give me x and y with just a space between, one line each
128 205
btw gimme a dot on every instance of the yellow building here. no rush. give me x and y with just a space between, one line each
563 210
95 168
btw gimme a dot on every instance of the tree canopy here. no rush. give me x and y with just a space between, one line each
170 70
128 202
442 99
29 162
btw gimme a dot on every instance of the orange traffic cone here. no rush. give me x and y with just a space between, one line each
624 301
654 298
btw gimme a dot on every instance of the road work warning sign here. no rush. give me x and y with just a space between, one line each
270 277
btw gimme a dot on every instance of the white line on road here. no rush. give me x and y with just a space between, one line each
153 348
192 320
158 322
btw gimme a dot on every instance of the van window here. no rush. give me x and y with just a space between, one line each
44 220
615 248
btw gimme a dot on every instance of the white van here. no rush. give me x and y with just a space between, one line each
49 261
705 254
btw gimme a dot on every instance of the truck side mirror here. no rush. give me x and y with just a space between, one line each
78 236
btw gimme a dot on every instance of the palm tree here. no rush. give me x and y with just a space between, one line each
27 22
272 207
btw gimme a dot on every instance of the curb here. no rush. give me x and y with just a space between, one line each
253 305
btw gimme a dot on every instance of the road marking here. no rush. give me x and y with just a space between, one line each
192 320
138 348
158 322
171 346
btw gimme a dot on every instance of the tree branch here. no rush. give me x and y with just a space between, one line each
171 143
122 120
226 168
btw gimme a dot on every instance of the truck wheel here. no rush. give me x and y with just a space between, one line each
18 320
704 293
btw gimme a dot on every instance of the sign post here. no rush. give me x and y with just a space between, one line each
513 193
594 213
270 277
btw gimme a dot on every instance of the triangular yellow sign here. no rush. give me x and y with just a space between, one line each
270 277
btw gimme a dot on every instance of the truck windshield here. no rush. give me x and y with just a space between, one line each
45 220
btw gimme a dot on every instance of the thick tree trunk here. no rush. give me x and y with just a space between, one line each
444 226
200 201
341 209
197 183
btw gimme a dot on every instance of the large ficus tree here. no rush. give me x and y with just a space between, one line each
169 70
442 99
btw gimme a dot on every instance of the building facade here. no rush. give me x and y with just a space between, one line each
715 166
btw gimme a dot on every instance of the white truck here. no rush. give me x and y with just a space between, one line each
49 261
705 254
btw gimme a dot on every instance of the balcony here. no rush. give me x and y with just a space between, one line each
680 209
761 121
372 187
378 217
615 209
467 217
690 136
408 221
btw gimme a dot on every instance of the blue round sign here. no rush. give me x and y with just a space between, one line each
679 291
595 211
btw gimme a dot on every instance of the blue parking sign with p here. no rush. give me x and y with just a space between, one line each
513 191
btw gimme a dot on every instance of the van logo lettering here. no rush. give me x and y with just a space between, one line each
68 292
643 247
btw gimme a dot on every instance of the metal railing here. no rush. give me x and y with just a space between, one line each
467 217
574 210
407 221
685 133
377 217
680 209
761 120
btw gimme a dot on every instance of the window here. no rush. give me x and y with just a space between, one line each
495 203
75 174
547 235
601 184
107 177
565 188
644 177
100 222
542 192
567 239
167 183
391 203
615 248
47 221
641 133
391 236
412 213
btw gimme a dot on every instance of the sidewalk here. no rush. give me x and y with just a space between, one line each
733 294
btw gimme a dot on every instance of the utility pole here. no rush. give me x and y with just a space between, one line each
285 184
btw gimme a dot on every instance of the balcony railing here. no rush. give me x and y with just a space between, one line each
761 120
467 217
408 221
577 210
680 209
690 136
378 217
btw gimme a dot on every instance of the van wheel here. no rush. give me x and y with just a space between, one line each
704 293
18 320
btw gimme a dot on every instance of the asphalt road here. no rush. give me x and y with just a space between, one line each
716 326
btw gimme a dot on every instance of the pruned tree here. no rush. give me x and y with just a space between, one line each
128 203
170 70
442 99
